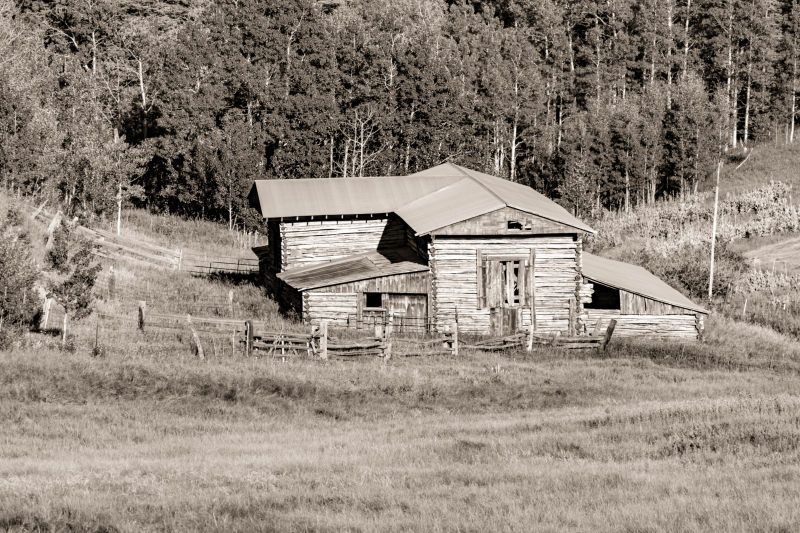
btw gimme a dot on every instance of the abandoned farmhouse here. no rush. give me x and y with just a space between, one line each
448 244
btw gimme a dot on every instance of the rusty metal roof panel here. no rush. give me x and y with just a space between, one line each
341 196
462 200
369 265
634 279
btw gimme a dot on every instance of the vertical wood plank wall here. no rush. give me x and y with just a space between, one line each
455 275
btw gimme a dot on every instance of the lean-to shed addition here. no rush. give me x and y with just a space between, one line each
445 243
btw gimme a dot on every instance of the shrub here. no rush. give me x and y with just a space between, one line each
19 303
687 266
74 292
58 255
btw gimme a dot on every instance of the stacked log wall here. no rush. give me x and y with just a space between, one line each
644 317
317 241
686 327
454 279
330 306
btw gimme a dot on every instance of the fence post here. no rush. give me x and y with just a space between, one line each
112 282
531 329
142 311
455 338
571 317
200 353
610 331
230 302
233 343
249 338
323 339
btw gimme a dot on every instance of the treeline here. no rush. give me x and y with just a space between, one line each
178 105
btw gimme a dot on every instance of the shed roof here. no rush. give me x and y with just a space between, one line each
428 200
358 267
634 279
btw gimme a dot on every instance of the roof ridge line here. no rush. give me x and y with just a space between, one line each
470 176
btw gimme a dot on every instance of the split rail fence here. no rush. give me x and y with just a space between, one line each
112 246
253 338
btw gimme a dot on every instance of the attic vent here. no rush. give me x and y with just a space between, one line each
515 225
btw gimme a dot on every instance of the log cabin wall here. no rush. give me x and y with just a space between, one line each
325 301
685 327
316 241
455 279
643 317
335 307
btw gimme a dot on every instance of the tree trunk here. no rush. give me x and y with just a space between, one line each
513 158
794 97
686 39
330 165
746 134
144 99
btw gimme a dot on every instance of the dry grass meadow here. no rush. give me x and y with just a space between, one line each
145 437
643 438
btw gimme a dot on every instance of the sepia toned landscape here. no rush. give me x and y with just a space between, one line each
426 265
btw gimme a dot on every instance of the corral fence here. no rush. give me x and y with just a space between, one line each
254 338
111 246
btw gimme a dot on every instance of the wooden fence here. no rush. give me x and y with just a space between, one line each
112 246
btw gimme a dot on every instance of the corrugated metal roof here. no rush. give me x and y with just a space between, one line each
634 279
507 193
369 265
462 200
427 200
340 196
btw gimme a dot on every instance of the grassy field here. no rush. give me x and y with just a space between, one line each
642 438
768 162
146 437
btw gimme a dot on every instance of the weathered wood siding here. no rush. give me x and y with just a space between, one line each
497 223
643 317
333 307
317 241
656 327
454 283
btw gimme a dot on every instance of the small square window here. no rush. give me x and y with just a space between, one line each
373 299
515 225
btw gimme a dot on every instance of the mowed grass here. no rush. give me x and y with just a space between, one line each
641 438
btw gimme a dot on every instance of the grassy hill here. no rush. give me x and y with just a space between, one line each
767 162
146 437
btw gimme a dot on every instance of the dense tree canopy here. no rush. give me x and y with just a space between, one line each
179 105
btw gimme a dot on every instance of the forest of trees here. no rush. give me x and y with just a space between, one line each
177 105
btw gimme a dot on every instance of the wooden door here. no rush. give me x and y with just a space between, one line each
505 294
505 320
410 311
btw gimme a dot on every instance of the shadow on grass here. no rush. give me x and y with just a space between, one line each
232 278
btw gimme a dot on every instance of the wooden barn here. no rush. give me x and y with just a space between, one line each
443 244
